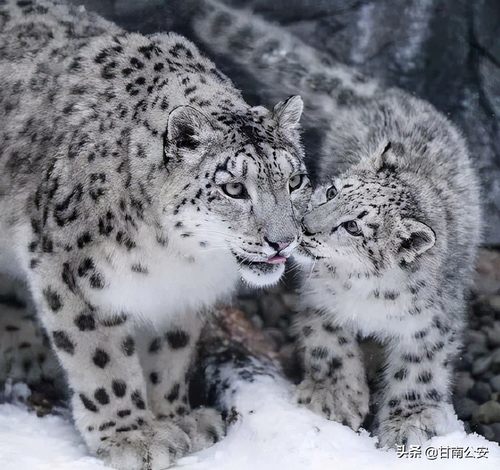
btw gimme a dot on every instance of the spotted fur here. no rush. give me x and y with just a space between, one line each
117 152
403 175
24 349
393 242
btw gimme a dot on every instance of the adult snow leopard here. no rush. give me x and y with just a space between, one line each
393 230
136 188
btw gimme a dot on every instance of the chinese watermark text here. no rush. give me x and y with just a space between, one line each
441 452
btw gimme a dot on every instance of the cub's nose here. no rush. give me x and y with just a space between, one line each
278 245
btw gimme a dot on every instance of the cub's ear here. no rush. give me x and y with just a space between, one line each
187 127
287 113
416 239
387 158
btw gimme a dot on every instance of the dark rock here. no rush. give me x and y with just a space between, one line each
464 362
494 336
487 322
481 365
495 362
487 279
465 407
463 383
487 376
475 338
487 413
480 392
482 308
274 309
495 427
477 349
250 306
495 383
487 431
494 301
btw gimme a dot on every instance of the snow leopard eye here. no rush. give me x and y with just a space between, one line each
331 192
295 182
352 227
234 190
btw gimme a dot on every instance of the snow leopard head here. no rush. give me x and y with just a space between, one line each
369 218
241 184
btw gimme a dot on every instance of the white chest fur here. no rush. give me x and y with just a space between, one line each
371 306
164 283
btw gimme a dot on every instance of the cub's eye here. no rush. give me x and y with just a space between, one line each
295 182
331 192
352 227
234 190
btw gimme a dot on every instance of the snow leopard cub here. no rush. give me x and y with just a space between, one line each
136 188
393 242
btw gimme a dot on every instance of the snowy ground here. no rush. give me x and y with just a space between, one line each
272 433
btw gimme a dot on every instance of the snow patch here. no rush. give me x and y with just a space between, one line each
271 433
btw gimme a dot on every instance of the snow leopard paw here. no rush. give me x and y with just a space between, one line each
204 426
151 447
346 405
417 427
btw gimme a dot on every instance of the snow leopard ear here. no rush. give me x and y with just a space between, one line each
416 239
287 113
387 158
187 127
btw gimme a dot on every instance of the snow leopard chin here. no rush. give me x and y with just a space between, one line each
261 274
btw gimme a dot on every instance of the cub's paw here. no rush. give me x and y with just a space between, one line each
151 447
415 428
346 405
204 426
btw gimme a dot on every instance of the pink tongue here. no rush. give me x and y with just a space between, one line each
276 260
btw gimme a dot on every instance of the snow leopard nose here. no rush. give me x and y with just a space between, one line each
278 245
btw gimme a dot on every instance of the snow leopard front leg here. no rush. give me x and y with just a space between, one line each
415 402
97 350
334 383
168 355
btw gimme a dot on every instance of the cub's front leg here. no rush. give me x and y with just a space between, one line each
334 383
416 397
168 356
97 349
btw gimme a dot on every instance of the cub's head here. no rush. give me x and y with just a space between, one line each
237 183
368 219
